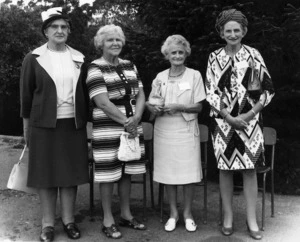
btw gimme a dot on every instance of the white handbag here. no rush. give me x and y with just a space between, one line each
18 177
130 148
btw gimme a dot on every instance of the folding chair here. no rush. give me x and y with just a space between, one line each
148 130
270 138
203 139
148 139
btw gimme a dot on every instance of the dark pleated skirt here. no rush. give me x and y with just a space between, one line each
58 156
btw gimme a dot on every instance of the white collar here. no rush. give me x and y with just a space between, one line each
76 55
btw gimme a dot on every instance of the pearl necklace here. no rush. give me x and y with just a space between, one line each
178 74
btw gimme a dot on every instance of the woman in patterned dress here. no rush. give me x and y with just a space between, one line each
118 103
177 159
238 87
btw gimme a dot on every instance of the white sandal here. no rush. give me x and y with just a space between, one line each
190 225
171 224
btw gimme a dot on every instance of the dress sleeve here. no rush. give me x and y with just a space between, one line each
95 81
198 88
156 87
140 83
212 91
27 85
265 78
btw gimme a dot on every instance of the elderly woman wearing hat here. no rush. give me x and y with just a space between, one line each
54 112
238 87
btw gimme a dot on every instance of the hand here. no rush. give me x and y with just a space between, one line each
237 122
172 108
132 122
131 126
155 109
132 132
246 117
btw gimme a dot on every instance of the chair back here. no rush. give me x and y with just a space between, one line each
203 139
89 129
147 130
203 133
270 138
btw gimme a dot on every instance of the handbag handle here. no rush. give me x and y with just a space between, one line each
133 147
22 154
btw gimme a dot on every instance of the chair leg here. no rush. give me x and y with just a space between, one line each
205 182
151 186
272 194
205 200
144 195
263 202
91 181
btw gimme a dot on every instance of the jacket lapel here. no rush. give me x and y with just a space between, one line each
186 84
78 60
164 78
44 59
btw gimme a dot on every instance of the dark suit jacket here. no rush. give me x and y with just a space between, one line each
38 91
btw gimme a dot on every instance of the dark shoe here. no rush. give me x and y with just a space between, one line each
112 232
227 231
47 234
133 223
72 230
254 234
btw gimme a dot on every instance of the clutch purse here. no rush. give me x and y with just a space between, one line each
155 97
130 148
18 177
156 100
254 84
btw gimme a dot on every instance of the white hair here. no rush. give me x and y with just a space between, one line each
104 31
177 40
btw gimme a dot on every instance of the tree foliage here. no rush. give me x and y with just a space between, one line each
273 30
19 33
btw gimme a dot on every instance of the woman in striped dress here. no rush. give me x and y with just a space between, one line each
118 101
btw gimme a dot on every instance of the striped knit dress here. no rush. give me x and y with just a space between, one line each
105 78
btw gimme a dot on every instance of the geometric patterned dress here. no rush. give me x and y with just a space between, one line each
227 87
106 78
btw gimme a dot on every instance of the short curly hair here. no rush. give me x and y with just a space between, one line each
177 40
104 31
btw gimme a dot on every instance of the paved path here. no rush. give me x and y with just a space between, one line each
20 218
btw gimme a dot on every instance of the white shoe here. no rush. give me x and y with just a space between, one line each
171 224
190 225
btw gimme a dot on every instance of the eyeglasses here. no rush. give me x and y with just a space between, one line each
63 27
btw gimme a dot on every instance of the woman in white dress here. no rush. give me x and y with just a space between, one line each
175 101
